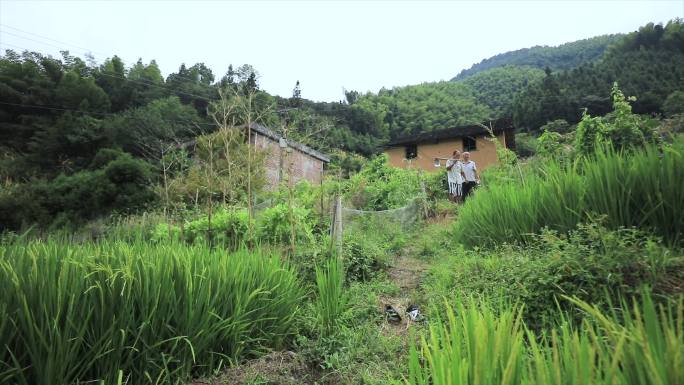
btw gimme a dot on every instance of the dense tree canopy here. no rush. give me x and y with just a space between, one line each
648 64
565 56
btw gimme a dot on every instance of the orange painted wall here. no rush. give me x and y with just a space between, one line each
484 156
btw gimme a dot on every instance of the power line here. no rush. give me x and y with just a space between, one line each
85 50
109 74
46 38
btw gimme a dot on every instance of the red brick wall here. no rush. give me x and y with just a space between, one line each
296 164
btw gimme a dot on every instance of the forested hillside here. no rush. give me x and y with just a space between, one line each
543 84
82 139
564 56
648 64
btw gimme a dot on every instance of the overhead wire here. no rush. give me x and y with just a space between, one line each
83 49
109 74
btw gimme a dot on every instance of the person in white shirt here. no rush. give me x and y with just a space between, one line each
454 168
470 176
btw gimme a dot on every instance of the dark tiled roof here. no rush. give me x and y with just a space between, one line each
274 136
298 146
455 132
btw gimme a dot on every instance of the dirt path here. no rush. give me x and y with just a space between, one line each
407 273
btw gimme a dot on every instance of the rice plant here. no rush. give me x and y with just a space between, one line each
331 301
473 346
638 344
149 313
637 189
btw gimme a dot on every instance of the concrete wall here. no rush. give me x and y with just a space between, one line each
296 165
484 156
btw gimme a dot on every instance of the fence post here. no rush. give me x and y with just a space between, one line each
424 200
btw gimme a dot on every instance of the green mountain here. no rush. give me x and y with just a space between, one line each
647 64
562 57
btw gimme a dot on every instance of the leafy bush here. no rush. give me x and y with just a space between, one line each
164 232
590 263
621 128
525 144
369 244
550 145
674 104
147 313
359 351
379 186
283 224
121 185
363 257
229 227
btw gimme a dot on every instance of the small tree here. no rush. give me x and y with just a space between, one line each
621 128
674 104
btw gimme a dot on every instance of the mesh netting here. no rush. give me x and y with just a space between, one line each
405 216
257 208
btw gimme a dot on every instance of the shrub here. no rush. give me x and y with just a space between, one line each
525 144
591 263
164 232
379 186
283 224
229 227
674 104
369 244
363 257
620 129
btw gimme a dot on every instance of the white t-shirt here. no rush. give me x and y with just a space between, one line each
454 175
469 171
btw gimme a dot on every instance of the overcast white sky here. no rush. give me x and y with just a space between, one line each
325 45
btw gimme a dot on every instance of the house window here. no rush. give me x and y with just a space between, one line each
469 144
411 151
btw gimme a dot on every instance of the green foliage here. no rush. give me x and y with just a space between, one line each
359 351
497 87
550 145
564 56
332 300
283 224
621 129
164 232
646 63
674 104
369 244
228 227
425 107
640 344
151 314
144 130
224 169
589 132
121 185
525 144
590 262
379 186
363 256
640 189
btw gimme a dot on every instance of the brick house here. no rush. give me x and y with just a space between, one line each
421 151
286 158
